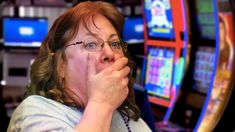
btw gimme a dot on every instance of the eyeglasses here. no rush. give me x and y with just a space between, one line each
96 44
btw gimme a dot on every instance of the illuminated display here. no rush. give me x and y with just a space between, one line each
204 64
158 15
133 30
159 72
24 32
205 18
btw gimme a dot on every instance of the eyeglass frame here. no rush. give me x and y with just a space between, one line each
122 43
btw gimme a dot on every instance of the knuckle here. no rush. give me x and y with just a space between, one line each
128 69
125 82
125 59
117 75
109 70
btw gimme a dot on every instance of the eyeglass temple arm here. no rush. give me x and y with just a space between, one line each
75 43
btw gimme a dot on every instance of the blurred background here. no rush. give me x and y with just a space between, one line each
183 50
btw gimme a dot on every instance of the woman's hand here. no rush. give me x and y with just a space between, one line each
110 86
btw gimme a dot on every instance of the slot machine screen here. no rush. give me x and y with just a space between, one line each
159 72
204 16
133 30
24 32
158 15
203 69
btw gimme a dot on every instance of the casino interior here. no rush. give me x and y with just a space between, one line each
184 54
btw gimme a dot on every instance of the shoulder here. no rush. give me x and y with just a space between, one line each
37 104
37 111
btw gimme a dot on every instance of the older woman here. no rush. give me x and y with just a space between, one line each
80 79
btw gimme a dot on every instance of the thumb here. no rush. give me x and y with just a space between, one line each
91 65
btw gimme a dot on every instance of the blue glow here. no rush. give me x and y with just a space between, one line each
133 30
214 70
27 32
144 69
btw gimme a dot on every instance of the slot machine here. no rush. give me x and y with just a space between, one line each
165 43
207 85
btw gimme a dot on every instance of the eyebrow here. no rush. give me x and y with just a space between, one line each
112 35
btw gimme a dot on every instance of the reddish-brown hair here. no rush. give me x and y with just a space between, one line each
46 78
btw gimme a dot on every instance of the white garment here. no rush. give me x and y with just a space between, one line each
40 114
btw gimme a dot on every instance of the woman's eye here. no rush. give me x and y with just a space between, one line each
91 45
116 44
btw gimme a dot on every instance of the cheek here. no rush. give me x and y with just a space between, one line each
78 67
119 55
76 70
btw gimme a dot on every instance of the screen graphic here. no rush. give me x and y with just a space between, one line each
158 14
159 72
205 18
203 69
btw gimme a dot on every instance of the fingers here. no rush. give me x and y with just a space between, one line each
91 65
125 71
126 81
120 63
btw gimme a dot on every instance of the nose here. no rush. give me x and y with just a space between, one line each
107 54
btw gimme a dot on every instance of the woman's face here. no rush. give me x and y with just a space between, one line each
76 69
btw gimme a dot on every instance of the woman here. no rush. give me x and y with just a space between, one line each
226 53
80 79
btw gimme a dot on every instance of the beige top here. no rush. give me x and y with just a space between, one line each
37 113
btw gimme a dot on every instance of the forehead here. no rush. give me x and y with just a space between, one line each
97 25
